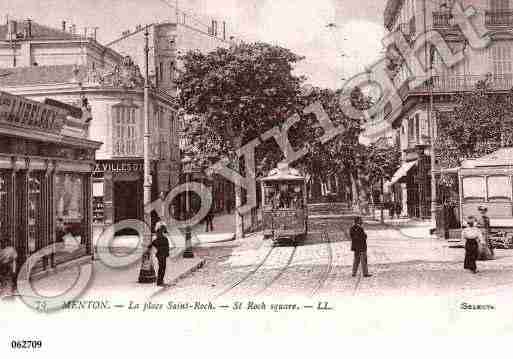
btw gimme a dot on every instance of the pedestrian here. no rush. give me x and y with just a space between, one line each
161 244
8 257
472 236
359 247
209 220
391 209
484 224
398 209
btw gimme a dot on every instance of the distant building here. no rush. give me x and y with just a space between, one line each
27 43
169 40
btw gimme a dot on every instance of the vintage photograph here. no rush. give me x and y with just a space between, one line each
337 166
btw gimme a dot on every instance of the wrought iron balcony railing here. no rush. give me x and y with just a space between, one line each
442 20
458 83
499 18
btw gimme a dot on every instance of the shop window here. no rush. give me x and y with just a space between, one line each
499 188
125 131
474 188
69 203
98 205
35 201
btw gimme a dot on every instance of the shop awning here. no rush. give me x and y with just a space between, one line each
402 171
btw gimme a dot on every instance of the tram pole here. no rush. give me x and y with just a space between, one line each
146 140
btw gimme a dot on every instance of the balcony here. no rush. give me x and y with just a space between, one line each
442 20
459 83
499 18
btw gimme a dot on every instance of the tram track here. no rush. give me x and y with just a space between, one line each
329 266
247 275
280 272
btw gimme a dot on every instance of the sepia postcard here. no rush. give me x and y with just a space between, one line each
256 177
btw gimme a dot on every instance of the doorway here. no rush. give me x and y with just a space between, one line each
127 203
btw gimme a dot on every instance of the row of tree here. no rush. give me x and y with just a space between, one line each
234 95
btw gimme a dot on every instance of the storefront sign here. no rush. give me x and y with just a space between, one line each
119 166
24 112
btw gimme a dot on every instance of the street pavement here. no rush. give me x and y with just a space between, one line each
404 261
401 264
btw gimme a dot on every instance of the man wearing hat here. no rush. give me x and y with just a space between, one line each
484 224
359 247
161 244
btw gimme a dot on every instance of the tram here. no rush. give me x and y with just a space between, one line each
488 182
284 204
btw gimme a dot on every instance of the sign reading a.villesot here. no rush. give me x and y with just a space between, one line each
20 111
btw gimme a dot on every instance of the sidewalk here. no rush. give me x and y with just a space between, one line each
118 282
411 228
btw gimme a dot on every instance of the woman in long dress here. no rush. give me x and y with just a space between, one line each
472 236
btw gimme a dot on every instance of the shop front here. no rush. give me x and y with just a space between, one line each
118 191
45 182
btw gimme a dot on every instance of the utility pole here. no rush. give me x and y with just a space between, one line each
146 144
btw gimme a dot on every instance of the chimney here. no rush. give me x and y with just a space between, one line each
12 30
64 26
28 28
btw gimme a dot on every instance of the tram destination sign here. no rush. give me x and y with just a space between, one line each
23 112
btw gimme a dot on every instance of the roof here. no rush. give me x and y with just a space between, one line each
501 157
35 75
283 172
39 32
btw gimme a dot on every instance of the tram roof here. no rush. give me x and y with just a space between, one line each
283 173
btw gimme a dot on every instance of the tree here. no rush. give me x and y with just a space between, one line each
382 161
235 95
479 123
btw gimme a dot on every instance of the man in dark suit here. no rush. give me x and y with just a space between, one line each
161 244
359 247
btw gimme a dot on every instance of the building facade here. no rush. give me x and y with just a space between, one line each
412 120
111 92
46 166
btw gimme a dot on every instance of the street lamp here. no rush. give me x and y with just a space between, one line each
186 168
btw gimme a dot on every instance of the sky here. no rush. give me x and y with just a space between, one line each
332 53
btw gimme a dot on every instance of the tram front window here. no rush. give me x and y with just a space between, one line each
284 196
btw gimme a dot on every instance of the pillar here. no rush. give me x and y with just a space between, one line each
108 198
404 197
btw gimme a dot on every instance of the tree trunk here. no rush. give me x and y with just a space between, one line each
382 216
239 219
354 193
362 198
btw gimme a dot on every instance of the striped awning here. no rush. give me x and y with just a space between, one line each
402 171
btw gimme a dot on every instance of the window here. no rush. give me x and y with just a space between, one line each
171 70
161 69
498 5
500 55
411 129
417 127
125 131
473 188
499 188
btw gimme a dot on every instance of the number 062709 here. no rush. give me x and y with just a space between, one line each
26 344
